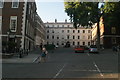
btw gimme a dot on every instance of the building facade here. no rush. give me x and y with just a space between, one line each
109 35
40 32
59 33
17 24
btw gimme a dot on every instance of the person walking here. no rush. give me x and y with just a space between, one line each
43 55
41 46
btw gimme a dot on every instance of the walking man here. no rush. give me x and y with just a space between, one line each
43 55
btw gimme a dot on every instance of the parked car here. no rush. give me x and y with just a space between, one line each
79 49
86 47
56 46
93 49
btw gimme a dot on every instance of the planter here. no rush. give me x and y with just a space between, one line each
7 55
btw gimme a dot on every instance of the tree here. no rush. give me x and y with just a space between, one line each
85 14
112 13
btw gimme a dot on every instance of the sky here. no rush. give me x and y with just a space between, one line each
49 11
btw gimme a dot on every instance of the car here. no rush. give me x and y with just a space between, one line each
56 46
79 49
86 47
93 49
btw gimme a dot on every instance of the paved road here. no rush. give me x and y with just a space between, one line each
64 63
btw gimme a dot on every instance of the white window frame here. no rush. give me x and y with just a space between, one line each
2 1
13 18
29 8
13 3
0 24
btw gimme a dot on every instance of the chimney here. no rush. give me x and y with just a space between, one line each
65 20
55 20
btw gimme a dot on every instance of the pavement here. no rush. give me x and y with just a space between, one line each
30 58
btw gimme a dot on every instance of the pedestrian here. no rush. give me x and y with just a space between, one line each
41 46
43 55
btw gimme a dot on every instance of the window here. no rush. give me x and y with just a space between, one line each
78 31
62 43
83 43
57 43
68 31
52 37
52 31
73 43
57 37
113 30
62 25
15 3
13 23
83 31
73 31
47 31
57 25
78 37
47 25
1 3
68 25
47 36
88 43
89 31
73 37
78 43
89 37
47 42
67 36
53 25
62 31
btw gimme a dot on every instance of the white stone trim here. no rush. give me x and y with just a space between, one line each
23 24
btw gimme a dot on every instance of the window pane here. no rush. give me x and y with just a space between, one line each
13 24
15 3
1 3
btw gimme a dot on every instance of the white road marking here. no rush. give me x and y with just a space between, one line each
36 59
98 69
59 71
96 66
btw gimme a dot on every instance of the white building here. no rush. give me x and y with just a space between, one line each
59 33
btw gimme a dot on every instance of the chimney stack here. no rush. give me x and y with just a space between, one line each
55 20
65 20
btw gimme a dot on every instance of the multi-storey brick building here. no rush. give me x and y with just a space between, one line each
59 33
109 35
17 24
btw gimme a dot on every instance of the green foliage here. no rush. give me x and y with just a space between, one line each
112 14
82 13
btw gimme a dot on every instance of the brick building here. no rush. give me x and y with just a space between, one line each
17 25
109 35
